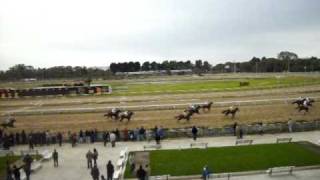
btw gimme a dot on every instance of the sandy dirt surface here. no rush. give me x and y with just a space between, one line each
165 118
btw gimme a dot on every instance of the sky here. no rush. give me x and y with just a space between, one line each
46 33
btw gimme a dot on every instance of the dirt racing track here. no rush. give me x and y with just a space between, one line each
263 110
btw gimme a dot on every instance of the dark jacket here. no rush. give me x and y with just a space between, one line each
95 172
110 169
141 174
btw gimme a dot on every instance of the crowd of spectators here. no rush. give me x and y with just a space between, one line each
41 138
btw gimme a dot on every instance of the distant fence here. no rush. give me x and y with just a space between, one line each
269 128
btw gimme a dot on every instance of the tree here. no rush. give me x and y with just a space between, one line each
287 56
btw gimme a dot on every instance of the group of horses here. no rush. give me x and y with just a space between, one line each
119 114
195 109
303 104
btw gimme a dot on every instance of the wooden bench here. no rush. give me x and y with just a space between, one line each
152 146
244 141
284 140
162 177
205 145
288 169
222 175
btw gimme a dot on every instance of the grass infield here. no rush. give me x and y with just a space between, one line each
232 159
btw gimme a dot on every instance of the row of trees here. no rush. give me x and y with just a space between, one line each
154 66
21 71
286 61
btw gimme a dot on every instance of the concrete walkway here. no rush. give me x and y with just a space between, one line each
72 161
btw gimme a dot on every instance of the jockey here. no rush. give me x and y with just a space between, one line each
114 110
193 107
125 113
305 103
231 108
307 99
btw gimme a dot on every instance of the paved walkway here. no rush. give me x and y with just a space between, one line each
73 162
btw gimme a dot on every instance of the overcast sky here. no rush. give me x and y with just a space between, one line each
45 33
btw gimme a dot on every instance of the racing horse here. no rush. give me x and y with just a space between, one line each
185 115
303 108
232 111
300 102
125 115
113 114
207 106
9 122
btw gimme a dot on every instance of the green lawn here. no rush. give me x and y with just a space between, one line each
11 159
191 84
231 159
211 85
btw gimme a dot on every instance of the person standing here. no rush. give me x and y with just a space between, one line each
290 125
55 158
105 139
240 133
16 173
194 132
95 156
157 138
27 165
113 139
89 156
235 128
141 173
110 171
95 173
59 137
9 172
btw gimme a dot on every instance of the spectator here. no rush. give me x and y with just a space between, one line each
105 139
30 141
110 171
59 137
260 128
136 134
113 139
157 138
95 156
240 133
95 173
81 136
27 165
194 132
141 173
55 158
161 132
235 128
142 133
16 173
205 173
8 171
125 134
117 133
290 125
89 157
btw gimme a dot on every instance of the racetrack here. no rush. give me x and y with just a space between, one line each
86 112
